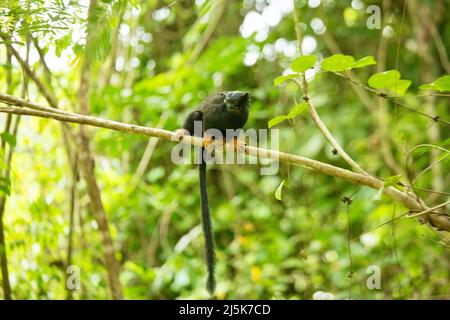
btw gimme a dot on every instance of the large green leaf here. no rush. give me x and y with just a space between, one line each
400 87
337 63
384 80
389 80
441 84
304 63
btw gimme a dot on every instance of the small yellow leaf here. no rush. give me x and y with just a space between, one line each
255 273
278 191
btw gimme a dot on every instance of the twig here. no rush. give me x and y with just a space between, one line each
419 214
322 127
382 95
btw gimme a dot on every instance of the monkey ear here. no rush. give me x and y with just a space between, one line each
189 122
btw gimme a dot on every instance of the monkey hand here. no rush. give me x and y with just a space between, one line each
180 133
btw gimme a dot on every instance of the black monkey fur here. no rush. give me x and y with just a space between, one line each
222 111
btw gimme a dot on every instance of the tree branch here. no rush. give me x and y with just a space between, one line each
440 221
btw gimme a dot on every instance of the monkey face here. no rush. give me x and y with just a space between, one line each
236 100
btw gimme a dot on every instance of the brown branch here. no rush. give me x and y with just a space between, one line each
440 221
6 285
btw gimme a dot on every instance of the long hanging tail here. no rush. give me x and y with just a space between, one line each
207 228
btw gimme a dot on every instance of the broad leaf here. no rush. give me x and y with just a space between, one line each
389 80
337 63
384 80
400 87
304 63
441 84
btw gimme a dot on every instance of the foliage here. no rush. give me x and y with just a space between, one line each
281 236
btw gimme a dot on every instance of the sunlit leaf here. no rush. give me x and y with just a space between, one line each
304 63
366 61
400 87
276 120
279 190
281 79
384 80
441 84
337 63
297 110
389 80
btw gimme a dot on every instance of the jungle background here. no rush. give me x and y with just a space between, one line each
130 225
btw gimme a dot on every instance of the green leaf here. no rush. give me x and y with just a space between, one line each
9 138
295 111
389 80
7 66
441 84
384 80
364 62
5 185
276 120
337 63
400 87
427 86
281 79
303 63
278 191
298 109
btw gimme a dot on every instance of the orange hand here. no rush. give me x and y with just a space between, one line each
181 133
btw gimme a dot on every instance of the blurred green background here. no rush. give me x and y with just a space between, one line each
152 63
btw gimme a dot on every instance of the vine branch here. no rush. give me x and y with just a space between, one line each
315 116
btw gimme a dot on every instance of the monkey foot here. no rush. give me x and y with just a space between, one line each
207 140
239 145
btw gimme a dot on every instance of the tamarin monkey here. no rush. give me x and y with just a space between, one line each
221 111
